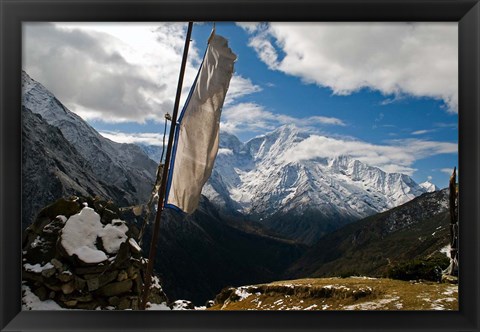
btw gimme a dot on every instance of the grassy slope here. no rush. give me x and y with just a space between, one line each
340 294
367 247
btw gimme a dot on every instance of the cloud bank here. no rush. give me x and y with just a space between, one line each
415 59
115 72
252 117
398 156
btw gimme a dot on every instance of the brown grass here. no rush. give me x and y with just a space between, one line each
340 294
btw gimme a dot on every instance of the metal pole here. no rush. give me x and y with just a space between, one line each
161 192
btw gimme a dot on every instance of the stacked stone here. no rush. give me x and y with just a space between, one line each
52 274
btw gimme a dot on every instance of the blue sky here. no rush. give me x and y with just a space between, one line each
386 92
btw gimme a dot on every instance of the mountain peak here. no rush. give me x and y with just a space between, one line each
257 180
428 186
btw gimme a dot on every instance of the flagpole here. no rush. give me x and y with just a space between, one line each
161 192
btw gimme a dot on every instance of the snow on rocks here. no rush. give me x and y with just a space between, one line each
37 268
79 236
84 259
113 235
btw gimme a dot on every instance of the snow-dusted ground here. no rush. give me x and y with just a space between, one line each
358 293
31 302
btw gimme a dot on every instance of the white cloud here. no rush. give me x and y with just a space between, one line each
239 87
399 156
421 132
146 138
448 171
253 117
417 59
115 72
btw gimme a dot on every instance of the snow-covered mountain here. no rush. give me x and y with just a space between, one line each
428 186
302 199
124 166
52 168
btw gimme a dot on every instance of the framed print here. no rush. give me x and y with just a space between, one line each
239 165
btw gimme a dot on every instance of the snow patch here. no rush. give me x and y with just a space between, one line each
31 302
157 306
225 151
79 236
113 235
242 293
134 244
446 250
37 268
80 233
372 305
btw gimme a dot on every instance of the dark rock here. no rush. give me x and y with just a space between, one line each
131 270
47 273
95 281
114 300
135 300
54 285
87 305
123 255
42 293
91 269
83 298
80 283
58 265
125 303
68 288
65 276
115 288
93 284
108 216
60 207
122 275
31 276
137 285
71 303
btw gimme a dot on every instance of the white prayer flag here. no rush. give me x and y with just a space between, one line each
196 134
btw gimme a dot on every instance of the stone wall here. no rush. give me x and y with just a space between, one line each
52 273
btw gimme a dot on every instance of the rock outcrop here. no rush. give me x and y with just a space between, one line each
80 254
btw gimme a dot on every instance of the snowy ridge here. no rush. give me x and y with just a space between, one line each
259 179
123 165
258 176
428 186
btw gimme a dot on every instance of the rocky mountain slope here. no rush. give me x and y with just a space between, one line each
125 166
53 168
302 199
418 229
63 155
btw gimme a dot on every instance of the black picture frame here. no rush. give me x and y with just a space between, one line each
14 12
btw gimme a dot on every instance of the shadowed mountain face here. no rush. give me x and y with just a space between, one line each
61 147
417 229
53 168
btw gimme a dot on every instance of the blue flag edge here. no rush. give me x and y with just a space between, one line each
175 141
